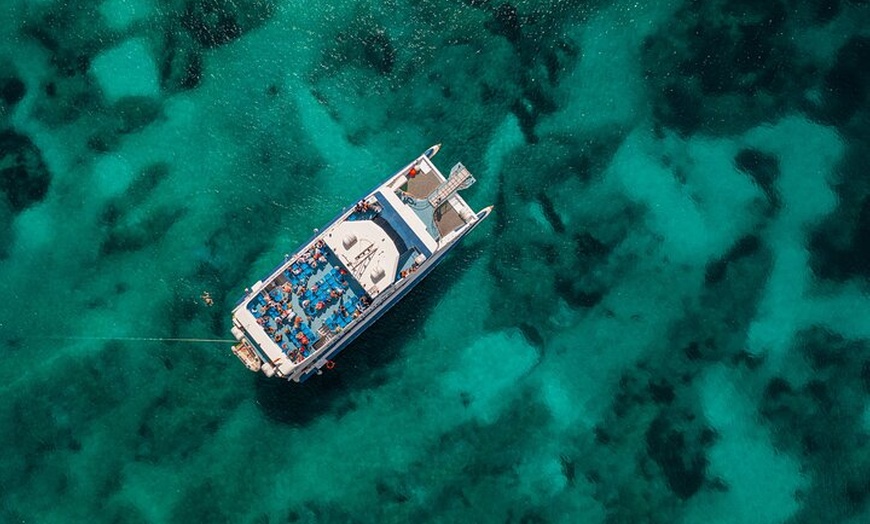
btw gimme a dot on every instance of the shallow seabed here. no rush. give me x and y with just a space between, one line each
665 320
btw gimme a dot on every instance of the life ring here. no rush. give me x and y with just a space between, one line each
330 364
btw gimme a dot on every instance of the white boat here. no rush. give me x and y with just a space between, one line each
297 319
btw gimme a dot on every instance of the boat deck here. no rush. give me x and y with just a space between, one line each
422 184
314 298
446 218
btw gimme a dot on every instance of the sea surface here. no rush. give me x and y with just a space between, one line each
665 320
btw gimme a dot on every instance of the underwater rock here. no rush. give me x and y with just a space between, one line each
725 67
848 82
136 112
822 419
213 23
12 90
840 249
181 64
364 43
764 170
679 108
24 177
126 237
679 453
506 22
745 247
379 52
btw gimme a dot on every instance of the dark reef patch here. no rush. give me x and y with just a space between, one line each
745 247
24 177
848 82
133 235
12 90
544 51
365 43
181 67
135 112
678 449
213 23
725 67
378 51
821 420
764 170
840 249
569 256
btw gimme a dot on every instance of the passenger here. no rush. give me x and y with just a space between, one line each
278 337
320 305
287 288
342 310
306 303
333 294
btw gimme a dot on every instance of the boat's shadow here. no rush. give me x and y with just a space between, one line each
365 363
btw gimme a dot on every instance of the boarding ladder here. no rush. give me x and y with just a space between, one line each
459 178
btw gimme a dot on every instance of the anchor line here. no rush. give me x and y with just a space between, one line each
146 339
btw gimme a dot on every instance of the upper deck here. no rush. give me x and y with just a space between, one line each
326 286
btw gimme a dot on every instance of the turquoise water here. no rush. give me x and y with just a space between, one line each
665 319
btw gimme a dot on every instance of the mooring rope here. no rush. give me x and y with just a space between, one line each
147 339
